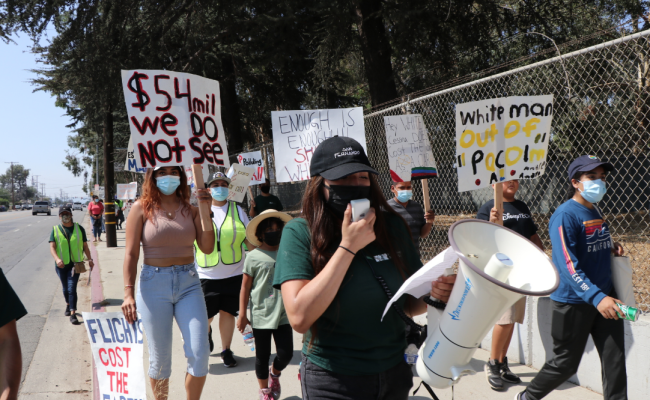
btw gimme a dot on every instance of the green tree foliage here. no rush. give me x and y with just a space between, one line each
285 54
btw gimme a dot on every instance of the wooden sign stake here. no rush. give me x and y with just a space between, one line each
498 201
204 209
425 195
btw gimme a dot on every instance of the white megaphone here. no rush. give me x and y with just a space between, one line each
496 268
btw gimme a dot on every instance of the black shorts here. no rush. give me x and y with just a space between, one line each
222 295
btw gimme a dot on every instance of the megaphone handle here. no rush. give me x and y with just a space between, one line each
435 302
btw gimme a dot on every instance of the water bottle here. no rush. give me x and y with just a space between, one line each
249 339
411 354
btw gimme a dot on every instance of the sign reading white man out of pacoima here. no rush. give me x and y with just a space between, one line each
174 118
296 134
502 139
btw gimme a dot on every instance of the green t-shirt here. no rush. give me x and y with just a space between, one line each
267 309
263 203
69 230
11 308
351 339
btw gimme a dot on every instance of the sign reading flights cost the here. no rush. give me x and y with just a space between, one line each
175 118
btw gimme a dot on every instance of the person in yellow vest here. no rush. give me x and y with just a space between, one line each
221 271
68 243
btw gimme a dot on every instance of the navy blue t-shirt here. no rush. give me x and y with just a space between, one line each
581 253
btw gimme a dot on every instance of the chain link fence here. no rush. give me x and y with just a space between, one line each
601 107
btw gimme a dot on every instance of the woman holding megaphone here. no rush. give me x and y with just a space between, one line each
327 269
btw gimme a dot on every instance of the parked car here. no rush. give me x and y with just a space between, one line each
3 208
77 206
27 207
42 207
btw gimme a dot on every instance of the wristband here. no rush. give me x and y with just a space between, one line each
348 250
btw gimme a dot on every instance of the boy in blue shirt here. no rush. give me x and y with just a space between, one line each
585 302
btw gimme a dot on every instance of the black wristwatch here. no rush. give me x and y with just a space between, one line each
435 303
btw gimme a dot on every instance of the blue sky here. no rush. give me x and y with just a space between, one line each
33 130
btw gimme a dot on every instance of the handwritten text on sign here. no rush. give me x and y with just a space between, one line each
131 163
502 139
240 178
127 190
296 134
253 160
409 151
118 354
174 118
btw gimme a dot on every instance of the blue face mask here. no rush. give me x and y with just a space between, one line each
219 193
594 190
168 183
404 195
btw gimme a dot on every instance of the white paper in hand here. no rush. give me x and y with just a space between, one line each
419 283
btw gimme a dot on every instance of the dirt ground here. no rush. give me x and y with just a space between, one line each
631 230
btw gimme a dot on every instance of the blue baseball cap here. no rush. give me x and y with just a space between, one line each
587 163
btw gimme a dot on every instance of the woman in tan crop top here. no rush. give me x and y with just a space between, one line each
167 226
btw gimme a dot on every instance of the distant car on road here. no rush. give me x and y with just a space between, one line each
68 205
77 206
27 206
42 207
3 208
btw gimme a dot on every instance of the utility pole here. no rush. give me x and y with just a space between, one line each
13 199
42 190
96 164
109 174
35 181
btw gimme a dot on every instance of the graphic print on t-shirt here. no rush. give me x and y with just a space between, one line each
597 235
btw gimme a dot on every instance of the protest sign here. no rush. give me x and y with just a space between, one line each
255 161
296 134
99 191
174 118
127 190
240 178
409 151
118 353
502 139
131 163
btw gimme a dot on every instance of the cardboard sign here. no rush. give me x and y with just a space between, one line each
254 160
99 191
409 150
174 118
127 190
118 353
502 139
131 163
296 134
240 178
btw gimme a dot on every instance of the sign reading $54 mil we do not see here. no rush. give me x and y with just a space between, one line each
502 139
174 118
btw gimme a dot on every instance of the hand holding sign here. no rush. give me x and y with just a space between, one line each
240 178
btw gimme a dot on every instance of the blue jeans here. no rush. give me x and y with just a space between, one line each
165 293
69 282
103 226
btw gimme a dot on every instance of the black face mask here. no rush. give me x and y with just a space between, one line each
340 197
265 189
272 238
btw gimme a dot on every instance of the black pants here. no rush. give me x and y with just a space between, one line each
571 325
320 384
283 337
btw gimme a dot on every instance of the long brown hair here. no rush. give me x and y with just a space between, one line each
325 227
150 199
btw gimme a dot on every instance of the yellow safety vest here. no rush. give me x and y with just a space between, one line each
63 248
227 241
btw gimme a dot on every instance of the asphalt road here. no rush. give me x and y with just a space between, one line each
26 262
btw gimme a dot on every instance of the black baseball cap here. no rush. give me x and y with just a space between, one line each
338 157
587 163
65 209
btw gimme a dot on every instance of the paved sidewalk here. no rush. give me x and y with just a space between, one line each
240 382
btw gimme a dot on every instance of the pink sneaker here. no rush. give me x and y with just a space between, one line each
274 385
265 394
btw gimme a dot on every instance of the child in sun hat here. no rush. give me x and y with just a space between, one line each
268 317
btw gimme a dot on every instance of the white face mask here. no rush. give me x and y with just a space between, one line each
66 219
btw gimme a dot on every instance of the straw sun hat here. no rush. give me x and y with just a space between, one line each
252 226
